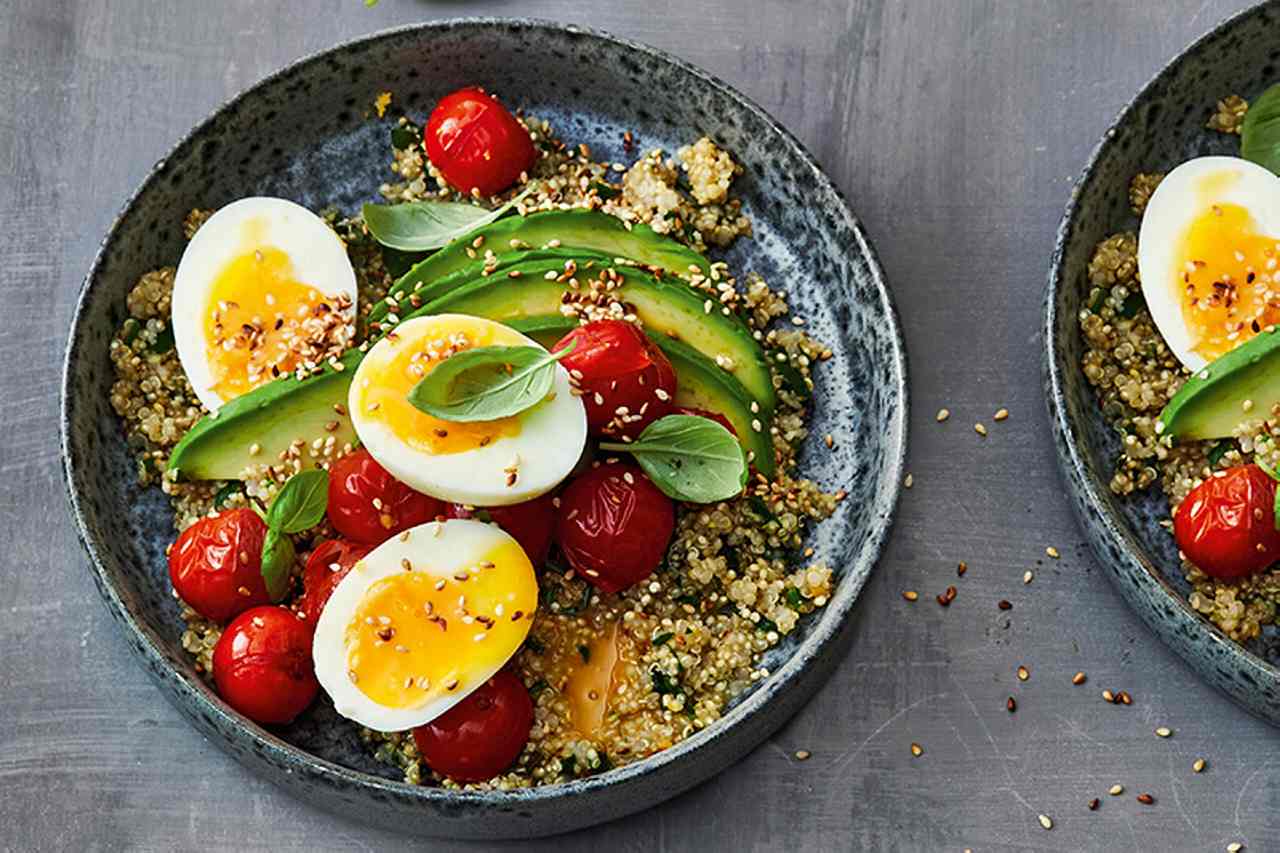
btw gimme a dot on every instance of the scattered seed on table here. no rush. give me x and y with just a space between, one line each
910 594
942 415
1046 821
1023 673
980 429
1163 731
1000 414
1004 604
829 441
803 754
908 481
1124 698
1026 578
1198 767
1235 847
945 598
917 750
1116 790
1146 799
1079 678
1052 552
1108 696
1094 803
1011 705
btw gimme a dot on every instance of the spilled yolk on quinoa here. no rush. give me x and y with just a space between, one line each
1227 293
590 684
416 636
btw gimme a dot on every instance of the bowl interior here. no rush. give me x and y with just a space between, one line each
307 134
1163 126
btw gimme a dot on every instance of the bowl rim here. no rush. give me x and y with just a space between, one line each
1087 493
198 698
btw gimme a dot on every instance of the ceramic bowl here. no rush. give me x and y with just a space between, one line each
304 134
1161 127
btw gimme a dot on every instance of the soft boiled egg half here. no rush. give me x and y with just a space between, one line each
263 288
1207 256
422 621
485 463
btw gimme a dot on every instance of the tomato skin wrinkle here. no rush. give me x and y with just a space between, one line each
616 366
614 526
208 571
476 143
319 578
262 665
355 481
1226 526
483 734
531 523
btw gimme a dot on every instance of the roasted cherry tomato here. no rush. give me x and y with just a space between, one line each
327 565
368 505
216 564
703 413
476 143
1227 525
627 383
262 665
531 523
483 734
614 526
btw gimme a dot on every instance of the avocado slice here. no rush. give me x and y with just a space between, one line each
271 416
700 384
664 305
1212 402
581 228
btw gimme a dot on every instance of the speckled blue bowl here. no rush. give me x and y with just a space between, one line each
1161 127
303 134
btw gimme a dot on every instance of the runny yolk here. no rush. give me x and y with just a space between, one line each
416 635
1228 285
591 683
259 320
392 373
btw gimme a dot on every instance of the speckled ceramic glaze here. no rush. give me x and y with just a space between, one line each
1161 127
303 134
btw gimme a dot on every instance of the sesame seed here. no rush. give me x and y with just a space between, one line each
1078 678
1004 604
1198 767
1011 705
803 754
1052 552
980 429
942 415
917 750
1146 799
1108 696
1046 821
1116 790
1235 847
910 595
1000 414
1164 731
1023 673
1026 578
908 481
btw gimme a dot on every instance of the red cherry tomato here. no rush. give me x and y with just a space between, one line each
216 564
483 734
262 665
1227 525
703 413
370 506
531 523
627 382
327 565
614 526
476 143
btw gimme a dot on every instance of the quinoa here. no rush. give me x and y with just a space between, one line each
1134 375
736 579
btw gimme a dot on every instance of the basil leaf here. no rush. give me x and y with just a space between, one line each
1218 451
229 488
1260 133
405 136
277 563
487 383
300 504
420 225
1133 303
164 341
690 458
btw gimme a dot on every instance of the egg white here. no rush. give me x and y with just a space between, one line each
552 436
437 548
317 255
1179 200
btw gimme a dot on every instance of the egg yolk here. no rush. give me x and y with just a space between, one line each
590 683
261 322
388 375
1227 280
417 636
